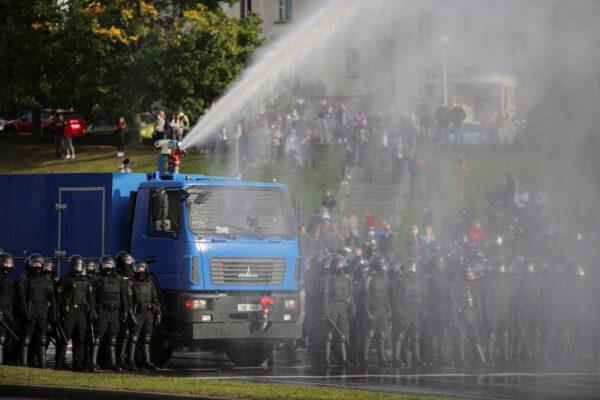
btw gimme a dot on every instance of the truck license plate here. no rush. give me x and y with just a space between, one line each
248 307
75 126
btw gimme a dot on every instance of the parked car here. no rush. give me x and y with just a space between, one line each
74 124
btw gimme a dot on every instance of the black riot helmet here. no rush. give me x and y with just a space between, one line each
35 262
344 251
76 264
124 260
337 265
378 264
91 267
48 266
140 268
107 265
438 264
396 269
358 265
325 265
6 263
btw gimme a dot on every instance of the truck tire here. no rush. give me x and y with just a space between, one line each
247 355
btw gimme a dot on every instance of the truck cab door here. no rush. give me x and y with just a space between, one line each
158 233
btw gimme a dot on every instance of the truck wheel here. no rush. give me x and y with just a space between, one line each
247 355
160 350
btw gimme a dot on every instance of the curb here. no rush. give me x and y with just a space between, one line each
76 393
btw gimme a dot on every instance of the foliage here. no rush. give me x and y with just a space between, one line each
120 56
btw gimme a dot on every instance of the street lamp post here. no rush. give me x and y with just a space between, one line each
445 41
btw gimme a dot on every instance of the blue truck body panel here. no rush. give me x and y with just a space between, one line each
58 215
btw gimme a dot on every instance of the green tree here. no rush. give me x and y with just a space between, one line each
205 52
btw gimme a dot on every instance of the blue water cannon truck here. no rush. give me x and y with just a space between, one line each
225 252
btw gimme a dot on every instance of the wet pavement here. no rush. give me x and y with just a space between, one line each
577 384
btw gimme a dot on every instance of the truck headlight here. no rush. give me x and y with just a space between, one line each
291 304
196 304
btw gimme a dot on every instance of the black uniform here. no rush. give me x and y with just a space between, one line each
111 302
437 309
124 263
35 299
313 318
7 300
468 319
338 308
144 313
410 305
530 317
377 309
76 304
397 312
497 289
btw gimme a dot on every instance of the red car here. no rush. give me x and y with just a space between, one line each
74 124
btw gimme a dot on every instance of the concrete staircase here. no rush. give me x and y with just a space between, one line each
378 195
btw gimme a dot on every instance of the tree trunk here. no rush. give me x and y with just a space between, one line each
135 131
36 122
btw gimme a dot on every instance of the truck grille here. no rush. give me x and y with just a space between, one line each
247 271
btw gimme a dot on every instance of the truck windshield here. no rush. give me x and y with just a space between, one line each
240 211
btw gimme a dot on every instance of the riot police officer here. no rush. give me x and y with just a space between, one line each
397 314
498 312
7 298
35 299
124 264
144 313
76 303
437 310
530 312
467 314
111 302
411 308
338 308
359 268
376 309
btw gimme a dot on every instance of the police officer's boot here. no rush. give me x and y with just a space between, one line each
123 352
60 357
94 355
505 349
2 342
382 353
327 353
131 356
112 354
147 359
416 352
366 350
492 349
25 351
42 352
343 354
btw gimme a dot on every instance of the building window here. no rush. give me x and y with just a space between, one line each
245 8
352 63
284 10
424 25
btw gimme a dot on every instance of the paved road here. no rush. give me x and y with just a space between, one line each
530 385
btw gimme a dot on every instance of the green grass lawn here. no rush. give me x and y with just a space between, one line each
39 158
206 387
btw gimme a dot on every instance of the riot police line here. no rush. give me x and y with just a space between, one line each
525 296
108 310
